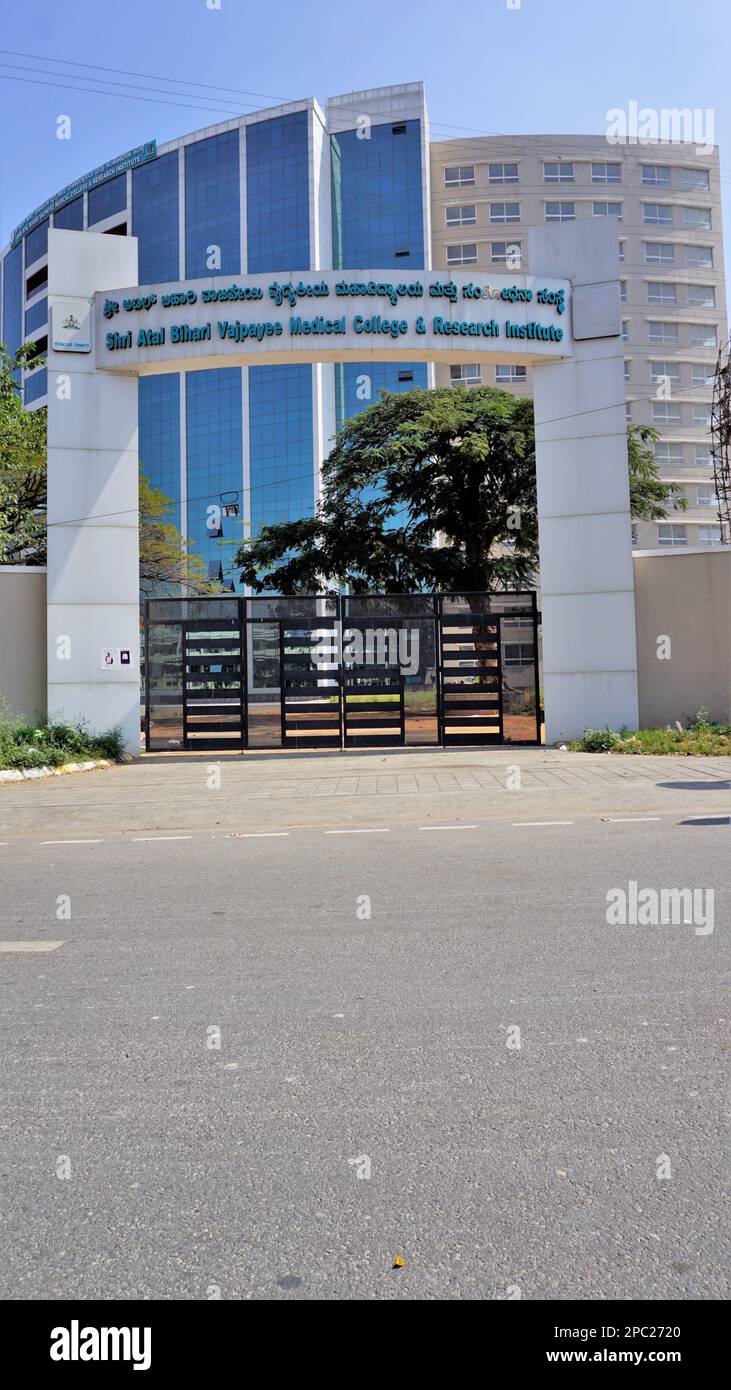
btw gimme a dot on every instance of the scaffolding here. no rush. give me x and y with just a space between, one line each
721 440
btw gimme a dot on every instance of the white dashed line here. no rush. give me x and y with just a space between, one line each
6 947
139 839
630 820
448 827
259 835
365 830
72 842
541 822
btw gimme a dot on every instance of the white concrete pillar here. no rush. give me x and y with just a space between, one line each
584 523
93 548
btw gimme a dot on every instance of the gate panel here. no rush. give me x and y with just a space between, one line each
472 702
373 708
310 700
213 685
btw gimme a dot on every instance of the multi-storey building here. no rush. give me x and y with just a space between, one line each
486 192
297 188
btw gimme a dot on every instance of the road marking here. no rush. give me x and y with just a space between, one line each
542 822
259 834
365 830
7 947
138 839
629 820
72 842
448 827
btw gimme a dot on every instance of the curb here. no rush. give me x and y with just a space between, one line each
14 774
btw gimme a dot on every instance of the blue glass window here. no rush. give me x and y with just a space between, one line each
278 194
215 458
352 379
280 444
36 385
378 198
36 316
36 243
12 299
70 217
159 438
107 198
212 204
155 218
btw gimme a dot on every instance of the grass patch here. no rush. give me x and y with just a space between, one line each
701 737
25 746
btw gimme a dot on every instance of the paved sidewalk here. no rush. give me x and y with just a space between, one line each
269 793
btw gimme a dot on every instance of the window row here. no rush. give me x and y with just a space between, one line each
470 374
668 533
669 373
699 334
670 454
564 171
564 210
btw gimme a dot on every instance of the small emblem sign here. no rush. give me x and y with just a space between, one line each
71 325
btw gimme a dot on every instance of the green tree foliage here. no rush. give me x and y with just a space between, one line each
429 490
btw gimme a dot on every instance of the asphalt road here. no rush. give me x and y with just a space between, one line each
140 1160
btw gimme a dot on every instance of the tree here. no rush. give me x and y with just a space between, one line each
649 495
453 465
167 562
22 467
428 490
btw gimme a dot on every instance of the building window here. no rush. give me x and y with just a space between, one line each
709 535
621 251
71 217
701 374
155 218
623 291
634 534
666 413
625 330
657 175
510 372
36 316
702 456
506 253
665 371
698 218
626 370
505 212
602 172
560 212
556 171
699 257
659 253
656 214
667 453
462 215
703 295
705 496
663 332
502 173
459 176
465 374
277 194
36 385
607 210
518 654
36 243
702 415
213 205
692 180
628 412
662 292
671 535
702 335
462 255
107 198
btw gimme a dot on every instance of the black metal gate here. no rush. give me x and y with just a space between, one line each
373 708
472 694
214 685
359 671
310 686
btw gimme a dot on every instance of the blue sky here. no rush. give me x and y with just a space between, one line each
546 66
